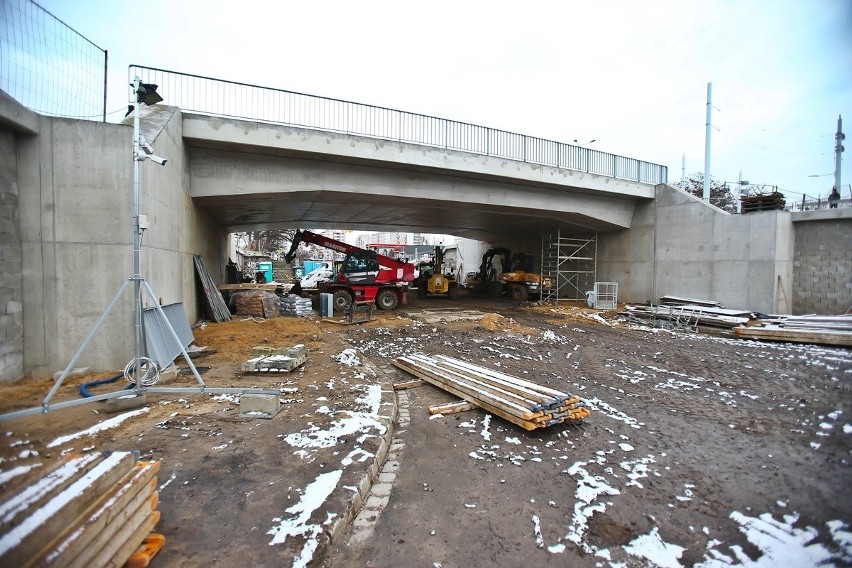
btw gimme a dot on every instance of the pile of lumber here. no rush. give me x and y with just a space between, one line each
765 202
820 330
85 510
521 402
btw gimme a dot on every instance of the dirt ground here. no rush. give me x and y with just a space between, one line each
695 445
700 450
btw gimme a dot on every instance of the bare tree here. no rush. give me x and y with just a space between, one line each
720 193
268 242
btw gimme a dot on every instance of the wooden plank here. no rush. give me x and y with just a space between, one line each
408 385
526 424
98 524
503 376
472 383
472 395
121 556
117 537
19 545
146 551
834 338
44 488
451 407
536 398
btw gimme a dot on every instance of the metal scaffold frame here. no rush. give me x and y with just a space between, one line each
572 264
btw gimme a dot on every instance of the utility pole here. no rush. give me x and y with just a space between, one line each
683 173
838 151
706 195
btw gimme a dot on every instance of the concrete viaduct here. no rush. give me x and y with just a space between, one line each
65 203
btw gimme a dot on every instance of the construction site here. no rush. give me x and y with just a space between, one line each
453 345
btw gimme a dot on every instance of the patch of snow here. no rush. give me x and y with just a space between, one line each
539 539
781 544
513 441
654 549
625 447
486 422
105 425
312 499
348 357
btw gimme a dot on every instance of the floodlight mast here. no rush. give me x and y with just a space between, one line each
137 271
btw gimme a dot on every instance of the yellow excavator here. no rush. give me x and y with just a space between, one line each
433 282
520 282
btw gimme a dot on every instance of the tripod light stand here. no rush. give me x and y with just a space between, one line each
139 370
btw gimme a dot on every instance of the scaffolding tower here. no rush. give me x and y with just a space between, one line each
570 263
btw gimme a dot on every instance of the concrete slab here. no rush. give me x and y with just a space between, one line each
443 315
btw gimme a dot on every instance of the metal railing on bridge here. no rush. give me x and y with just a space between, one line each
217 97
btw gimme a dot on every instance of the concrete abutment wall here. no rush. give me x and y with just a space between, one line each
75 193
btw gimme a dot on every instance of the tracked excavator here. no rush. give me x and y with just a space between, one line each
364 276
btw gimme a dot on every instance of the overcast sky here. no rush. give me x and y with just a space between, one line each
632 75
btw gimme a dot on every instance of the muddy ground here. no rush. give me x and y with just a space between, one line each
698 447
695 444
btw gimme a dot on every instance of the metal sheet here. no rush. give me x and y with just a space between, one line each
160 343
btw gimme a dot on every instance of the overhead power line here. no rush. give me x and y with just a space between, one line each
729 135
773 131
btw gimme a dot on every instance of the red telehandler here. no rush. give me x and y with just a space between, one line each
365 276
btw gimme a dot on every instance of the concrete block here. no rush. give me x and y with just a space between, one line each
259 405
377 503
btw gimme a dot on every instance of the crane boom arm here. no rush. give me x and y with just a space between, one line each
339 246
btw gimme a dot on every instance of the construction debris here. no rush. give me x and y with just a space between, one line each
678 301
281 360
87 510
521 402
687 316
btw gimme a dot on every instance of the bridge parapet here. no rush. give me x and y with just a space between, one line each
217 97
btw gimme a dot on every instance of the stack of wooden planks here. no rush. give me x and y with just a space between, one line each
521 402
86 510
820 330
762 202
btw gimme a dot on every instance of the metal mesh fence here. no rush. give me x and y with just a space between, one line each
49 67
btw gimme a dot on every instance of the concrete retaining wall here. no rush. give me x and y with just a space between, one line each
678 245
11 293
76 187
822 262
